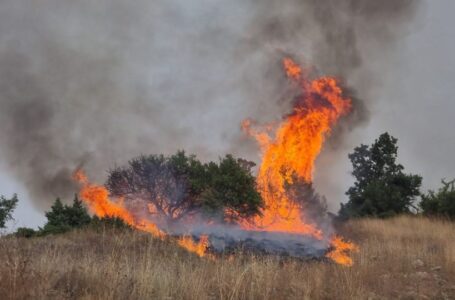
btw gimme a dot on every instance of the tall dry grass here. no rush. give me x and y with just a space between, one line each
408 258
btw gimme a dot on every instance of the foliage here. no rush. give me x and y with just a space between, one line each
441 203
381 188
108 222
180 185
25 232
7 207
62 218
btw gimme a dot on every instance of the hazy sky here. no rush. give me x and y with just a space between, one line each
416 104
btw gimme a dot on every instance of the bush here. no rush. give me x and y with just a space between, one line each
25 232
108 223
441 203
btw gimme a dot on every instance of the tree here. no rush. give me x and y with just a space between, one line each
62 218
77 214
441 203
381 188
179 185
7 207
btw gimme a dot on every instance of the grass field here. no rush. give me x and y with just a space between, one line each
407 258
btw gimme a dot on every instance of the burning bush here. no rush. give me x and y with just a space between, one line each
180 186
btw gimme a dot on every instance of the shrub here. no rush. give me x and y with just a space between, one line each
441 203
25 232
108 223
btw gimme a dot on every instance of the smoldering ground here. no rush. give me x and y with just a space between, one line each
98 82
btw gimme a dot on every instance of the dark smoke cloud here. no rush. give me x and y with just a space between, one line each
97 82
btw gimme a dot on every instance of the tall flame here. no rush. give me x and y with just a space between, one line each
289 154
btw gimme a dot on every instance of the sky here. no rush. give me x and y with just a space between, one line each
415 104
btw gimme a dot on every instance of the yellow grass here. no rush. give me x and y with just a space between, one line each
408 258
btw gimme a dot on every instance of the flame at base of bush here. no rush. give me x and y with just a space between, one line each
97 199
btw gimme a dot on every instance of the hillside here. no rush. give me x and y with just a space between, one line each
409 258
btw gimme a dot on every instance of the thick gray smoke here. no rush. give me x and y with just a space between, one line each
98 82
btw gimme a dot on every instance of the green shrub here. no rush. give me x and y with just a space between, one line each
108 223
441 203
25 232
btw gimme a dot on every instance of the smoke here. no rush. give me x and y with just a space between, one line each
98 82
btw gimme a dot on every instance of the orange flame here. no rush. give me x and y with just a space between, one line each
292 69
289 154
97 199
340 252
189 244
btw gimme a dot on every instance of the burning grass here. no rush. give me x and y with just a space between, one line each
411 258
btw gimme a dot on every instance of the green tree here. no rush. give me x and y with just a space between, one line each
7 207
381 188
62 218
180 185
441 203
77 214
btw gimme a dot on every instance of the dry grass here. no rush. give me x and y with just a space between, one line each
408 258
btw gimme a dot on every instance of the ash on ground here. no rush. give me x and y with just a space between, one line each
266 243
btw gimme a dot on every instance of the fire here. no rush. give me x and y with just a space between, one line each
97 199
289 153
341 250
289 150
189 244
292 69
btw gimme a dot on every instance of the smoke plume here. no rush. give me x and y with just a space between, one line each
98 82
